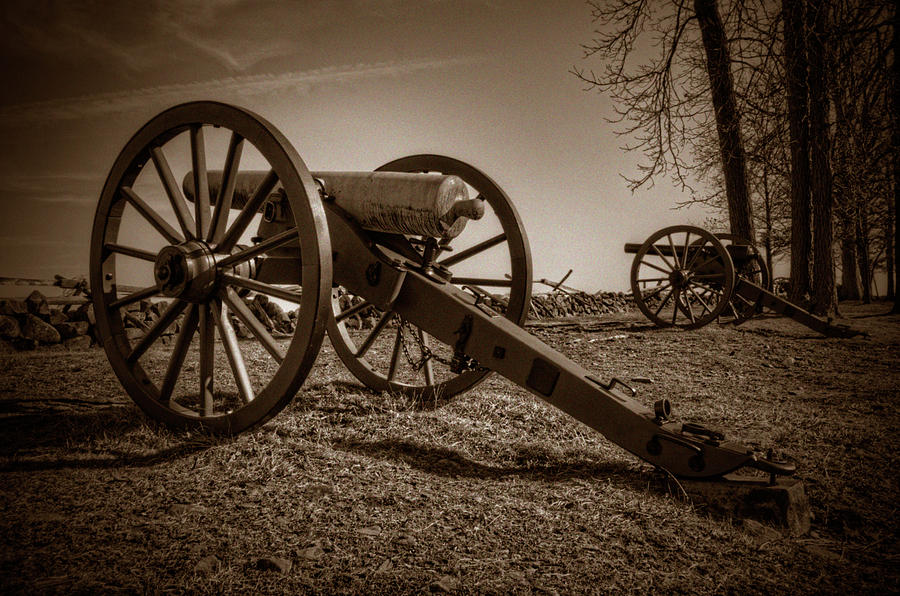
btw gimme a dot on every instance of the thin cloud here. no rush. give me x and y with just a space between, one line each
120 102
58 189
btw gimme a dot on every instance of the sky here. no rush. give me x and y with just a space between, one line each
352 84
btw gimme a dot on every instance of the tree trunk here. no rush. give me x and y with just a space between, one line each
895 146
862 253
767 234
798 122
889 250
728 125
849 279
824 297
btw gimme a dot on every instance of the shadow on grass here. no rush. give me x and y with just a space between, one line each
58 439
447 462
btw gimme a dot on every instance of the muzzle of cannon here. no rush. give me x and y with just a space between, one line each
412 302
685 276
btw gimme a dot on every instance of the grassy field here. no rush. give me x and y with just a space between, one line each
493 492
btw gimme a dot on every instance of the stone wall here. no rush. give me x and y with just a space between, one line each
29 323
32 323
562 304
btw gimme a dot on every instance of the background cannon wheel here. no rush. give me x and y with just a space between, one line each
682 276
189 262
490 257
752 269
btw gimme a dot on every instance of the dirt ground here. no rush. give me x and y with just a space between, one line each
495 492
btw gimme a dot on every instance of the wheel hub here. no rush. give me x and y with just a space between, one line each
679 278
186 271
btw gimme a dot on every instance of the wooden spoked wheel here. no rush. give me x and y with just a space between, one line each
188 367
750 266
491 258
682 276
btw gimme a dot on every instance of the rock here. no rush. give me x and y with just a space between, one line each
24 343
240 329
134 333
9 327
406 539
39 330
37 305
73 329
761 533
208 564
312 553
259 312
274 564
79 342
185 508
262 300
12 306
446 584
647 380
273 310
57 316
370 531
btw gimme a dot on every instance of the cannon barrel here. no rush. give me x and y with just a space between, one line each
434 205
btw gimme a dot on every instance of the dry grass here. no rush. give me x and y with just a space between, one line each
493 492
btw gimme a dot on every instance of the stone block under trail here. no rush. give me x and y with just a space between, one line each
783 504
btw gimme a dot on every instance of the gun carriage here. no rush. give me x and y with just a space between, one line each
386 238
687 277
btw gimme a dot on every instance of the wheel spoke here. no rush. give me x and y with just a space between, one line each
247 212
373 335
649 279
474 250
657 290
480 281
262 288
663 257
226 190
201 182
426 365
176 197
255 326
130 251
352 310
675 304
137 296
660 269
207 359
709 276
674 251
687 248
272 243
176 361
663 302
697 251
152 217
395 354
167 318
705 263
232 351
700 299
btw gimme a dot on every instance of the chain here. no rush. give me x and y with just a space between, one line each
426 352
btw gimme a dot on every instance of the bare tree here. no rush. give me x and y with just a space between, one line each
663 104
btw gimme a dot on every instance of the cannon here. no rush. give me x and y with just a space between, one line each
391 240
685 276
